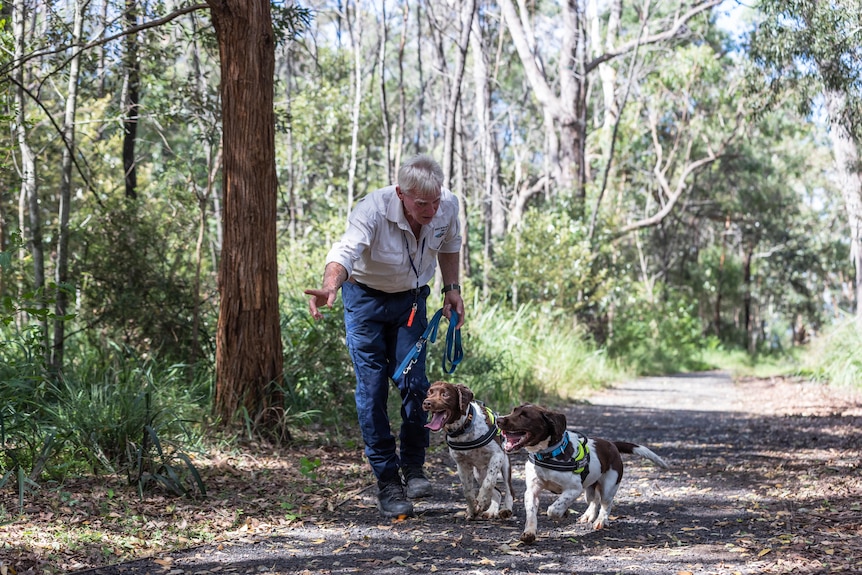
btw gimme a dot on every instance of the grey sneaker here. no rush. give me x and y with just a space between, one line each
391 501
417 484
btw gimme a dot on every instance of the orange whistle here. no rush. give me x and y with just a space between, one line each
412 315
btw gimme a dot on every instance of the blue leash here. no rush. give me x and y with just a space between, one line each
453 354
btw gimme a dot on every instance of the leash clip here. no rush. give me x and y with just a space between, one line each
453 353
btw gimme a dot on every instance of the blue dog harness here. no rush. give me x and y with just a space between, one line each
562 457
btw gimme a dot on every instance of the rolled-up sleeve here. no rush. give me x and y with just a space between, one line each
354 242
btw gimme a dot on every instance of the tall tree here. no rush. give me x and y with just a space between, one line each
61 272
563 97
131 89
249 361
813 48
493 216
29 195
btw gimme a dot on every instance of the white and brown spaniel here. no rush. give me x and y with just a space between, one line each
566 463
476 446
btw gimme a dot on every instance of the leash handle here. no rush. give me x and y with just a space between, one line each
453 354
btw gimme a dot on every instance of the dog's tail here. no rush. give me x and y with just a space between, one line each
635 449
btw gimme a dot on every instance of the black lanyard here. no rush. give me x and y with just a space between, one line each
416 272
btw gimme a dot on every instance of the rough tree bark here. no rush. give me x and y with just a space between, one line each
249 361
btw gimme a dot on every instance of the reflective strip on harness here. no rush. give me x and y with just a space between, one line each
579 464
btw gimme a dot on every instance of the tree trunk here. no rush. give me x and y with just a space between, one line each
355 29
29 198
249 360
402 92
130 102
420 102
493 214
846 153
386 124
62 269
750 339
468 10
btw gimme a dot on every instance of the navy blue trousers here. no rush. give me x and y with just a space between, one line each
378 340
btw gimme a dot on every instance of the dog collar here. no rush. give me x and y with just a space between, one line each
554 451
461 430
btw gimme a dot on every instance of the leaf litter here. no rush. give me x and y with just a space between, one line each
772 490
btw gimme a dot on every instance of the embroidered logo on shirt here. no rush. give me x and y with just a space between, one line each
440 232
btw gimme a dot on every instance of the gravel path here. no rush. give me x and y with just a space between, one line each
738 498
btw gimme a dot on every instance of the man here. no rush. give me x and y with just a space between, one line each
395 238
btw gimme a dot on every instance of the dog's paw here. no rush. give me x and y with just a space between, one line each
588 517
505 514
555 512
528 538
598 525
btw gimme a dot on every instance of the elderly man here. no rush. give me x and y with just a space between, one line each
395 238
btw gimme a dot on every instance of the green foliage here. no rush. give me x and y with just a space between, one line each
657 334
548 259
529 354
318 373
739 363
138 283
105 408
806 47
173 471
834 355
121 415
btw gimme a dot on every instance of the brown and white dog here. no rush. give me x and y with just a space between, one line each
476 446
566 463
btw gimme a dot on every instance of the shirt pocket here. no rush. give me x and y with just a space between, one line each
387 251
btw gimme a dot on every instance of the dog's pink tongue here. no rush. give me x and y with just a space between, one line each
436 423
513 440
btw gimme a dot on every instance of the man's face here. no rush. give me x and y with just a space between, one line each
420 208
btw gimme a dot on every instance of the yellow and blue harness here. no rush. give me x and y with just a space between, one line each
578 463
476 443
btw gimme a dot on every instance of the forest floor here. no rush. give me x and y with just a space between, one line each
766 477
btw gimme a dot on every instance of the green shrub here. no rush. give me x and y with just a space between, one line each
107 413
834 356
529 354
659 336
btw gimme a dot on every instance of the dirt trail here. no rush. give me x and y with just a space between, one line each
764 478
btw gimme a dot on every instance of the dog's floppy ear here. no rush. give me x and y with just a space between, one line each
465 396
556 423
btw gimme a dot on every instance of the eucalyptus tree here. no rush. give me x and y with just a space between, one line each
29 192
71 108
815 48
560 69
